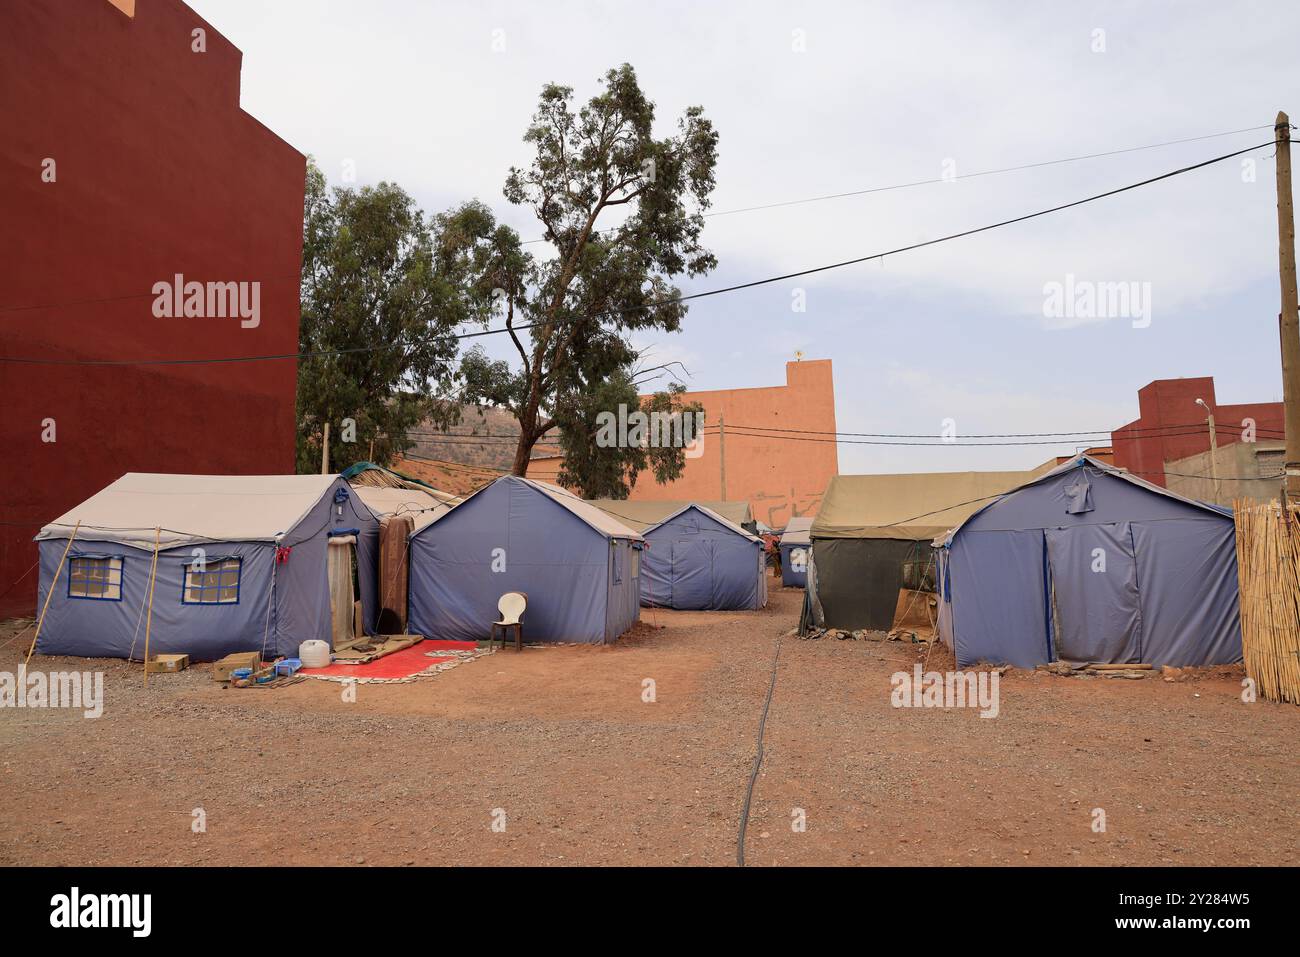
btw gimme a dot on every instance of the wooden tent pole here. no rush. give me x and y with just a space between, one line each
148 621
50 594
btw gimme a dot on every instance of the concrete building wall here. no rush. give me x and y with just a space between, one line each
157 171
1247 470
1172 426
779 477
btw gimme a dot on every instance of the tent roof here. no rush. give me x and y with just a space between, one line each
367 474
192 508
797 530
641 515
605 524
910 506
724 522
422 506
1082 461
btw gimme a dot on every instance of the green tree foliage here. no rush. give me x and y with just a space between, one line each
622 213
381 288
604 470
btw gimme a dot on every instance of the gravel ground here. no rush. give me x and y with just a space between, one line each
559 743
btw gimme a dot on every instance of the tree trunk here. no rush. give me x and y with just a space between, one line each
523 452
527 417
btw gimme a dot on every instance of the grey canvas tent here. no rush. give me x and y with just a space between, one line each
578 566
796 541
1091 563
244 563
696 559
872 536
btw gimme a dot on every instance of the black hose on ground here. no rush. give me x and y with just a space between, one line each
758 759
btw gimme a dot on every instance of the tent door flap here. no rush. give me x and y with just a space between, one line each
1095 595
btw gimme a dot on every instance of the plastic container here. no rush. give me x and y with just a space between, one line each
314 653
287 666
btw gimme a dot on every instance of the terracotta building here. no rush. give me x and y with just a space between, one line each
1173 426
780 476
129 173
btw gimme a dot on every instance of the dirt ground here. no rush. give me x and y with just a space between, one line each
559 743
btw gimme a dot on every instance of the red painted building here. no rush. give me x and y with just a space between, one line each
126 161
1172 426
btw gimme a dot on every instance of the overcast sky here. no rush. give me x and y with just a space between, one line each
812 99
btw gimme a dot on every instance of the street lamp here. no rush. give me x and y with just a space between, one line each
1214 449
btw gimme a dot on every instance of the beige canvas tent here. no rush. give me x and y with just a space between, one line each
639 515
420 505
403 506
872 536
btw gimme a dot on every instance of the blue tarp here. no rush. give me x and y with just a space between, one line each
579 568
1088 563
697 560
279 605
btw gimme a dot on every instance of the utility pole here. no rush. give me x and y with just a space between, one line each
1214 460
1214 449
1289 320
325 451
722 451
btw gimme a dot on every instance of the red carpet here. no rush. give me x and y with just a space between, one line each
400 664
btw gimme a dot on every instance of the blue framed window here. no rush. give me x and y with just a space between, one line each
95 577
215 582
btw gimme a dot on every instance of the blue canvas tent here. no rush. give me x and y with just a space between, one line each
1090 563
244 563
696 559
795 546
579 567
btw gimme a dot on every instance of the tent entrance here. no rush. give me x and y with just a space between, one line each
1096 613
342 572
691 581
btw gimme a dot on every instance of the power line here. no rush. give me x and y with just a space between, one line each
752 432
763 206
856 438
451 465
940 179
1144 432
134 295
673 300
1153 431
956 443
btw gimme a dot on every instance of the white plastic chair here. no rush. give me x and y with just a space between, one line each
511 607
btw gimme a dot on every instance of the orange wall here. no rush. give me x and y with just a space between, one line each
779 477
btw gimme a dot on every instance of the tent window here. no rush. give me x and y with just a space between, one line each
618 562
215 583
96 577
636 562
